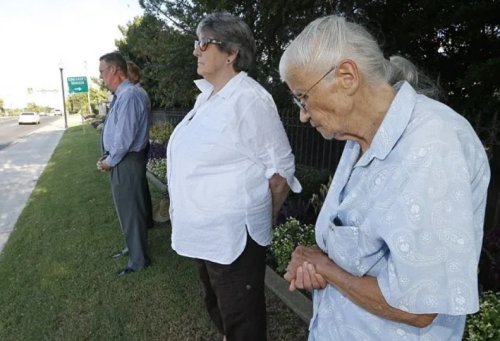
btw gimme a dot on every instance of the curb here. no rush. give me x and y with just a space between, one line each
156 182
295 300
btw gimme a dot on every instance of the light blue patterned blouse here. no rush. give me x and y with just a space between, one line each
409 212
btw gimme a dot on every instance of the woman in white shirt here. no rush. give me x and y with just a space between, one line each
230 167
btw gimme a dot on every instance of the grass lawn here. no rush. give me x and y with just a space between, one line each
58 281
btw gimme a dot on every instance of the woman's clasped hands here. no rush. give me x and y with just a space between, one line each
302 271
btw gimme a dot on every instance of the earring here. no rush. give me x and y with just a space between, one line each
228 61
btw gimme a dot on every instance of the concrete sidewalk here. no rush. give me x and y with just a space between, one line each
21 164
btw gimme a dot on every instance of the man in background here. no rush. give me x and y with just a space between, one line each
160 210
134 76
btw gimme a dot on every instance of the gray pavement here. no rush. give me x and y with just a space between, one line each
21 164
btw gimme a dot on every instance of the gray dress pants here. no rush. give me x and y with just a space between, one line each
132 199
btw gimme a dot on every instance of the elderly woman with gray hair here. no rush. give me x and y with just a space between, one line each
399 234
230 167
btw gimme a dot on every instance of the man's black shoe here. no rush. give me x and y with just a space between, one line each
124 272
119 254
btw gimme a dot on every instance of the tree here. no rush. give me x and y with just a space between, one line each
98 95
37 108
456 41
165 57
2 105
274 24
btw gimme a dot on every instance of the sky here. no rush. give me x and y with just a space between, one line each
37 35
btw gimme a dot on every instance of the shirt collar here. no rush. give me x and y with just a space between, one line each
206 87
122 86
394 124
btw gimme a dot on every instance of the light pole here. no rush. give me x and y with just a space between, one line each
63 97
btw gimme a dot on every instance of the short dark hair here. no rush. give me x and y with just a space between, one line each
234 34
116 59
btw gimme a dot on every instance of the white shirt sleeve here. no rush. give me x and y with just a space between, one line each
263 138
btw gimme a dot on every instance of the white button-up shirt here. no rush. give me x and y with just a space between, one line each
220 158
409 212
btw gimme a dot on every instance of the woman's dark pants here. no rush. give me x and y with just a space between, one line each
234 294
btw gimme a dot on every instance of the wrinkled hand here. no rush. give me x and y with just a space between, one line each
307 278
301 271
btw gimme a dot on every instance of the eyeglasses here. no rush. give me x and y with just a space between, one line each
298 99
104 69
202 44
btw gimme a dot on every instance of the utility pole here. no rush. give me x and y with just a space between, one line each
88 82
63 96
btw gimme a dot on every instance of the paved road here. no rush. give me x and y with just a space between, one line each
11 131
22 161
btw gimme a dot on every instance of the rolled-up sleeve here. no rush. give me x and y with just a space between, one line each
265 139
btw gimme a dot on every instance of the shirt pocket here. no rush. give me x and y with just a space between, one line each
352 249
342 246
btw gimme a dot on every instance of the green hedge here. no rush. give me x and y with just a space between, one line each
485 324
158 167
286 237
311 179
160 132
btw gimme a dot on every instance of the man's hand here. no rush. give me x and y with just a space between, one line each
102 165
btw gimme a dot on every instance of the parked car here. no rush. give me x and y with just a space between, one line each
29 118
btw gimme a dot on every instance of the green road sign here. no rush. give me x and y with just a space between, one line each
77 84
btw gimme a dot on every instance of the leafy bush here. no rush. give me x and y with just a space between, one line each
317 200
158 167
489 264
305 210
296 221
297 208
485 324
160 132
311 180
286 237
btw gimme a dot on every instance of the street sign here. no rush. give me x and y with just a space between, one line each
77 84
